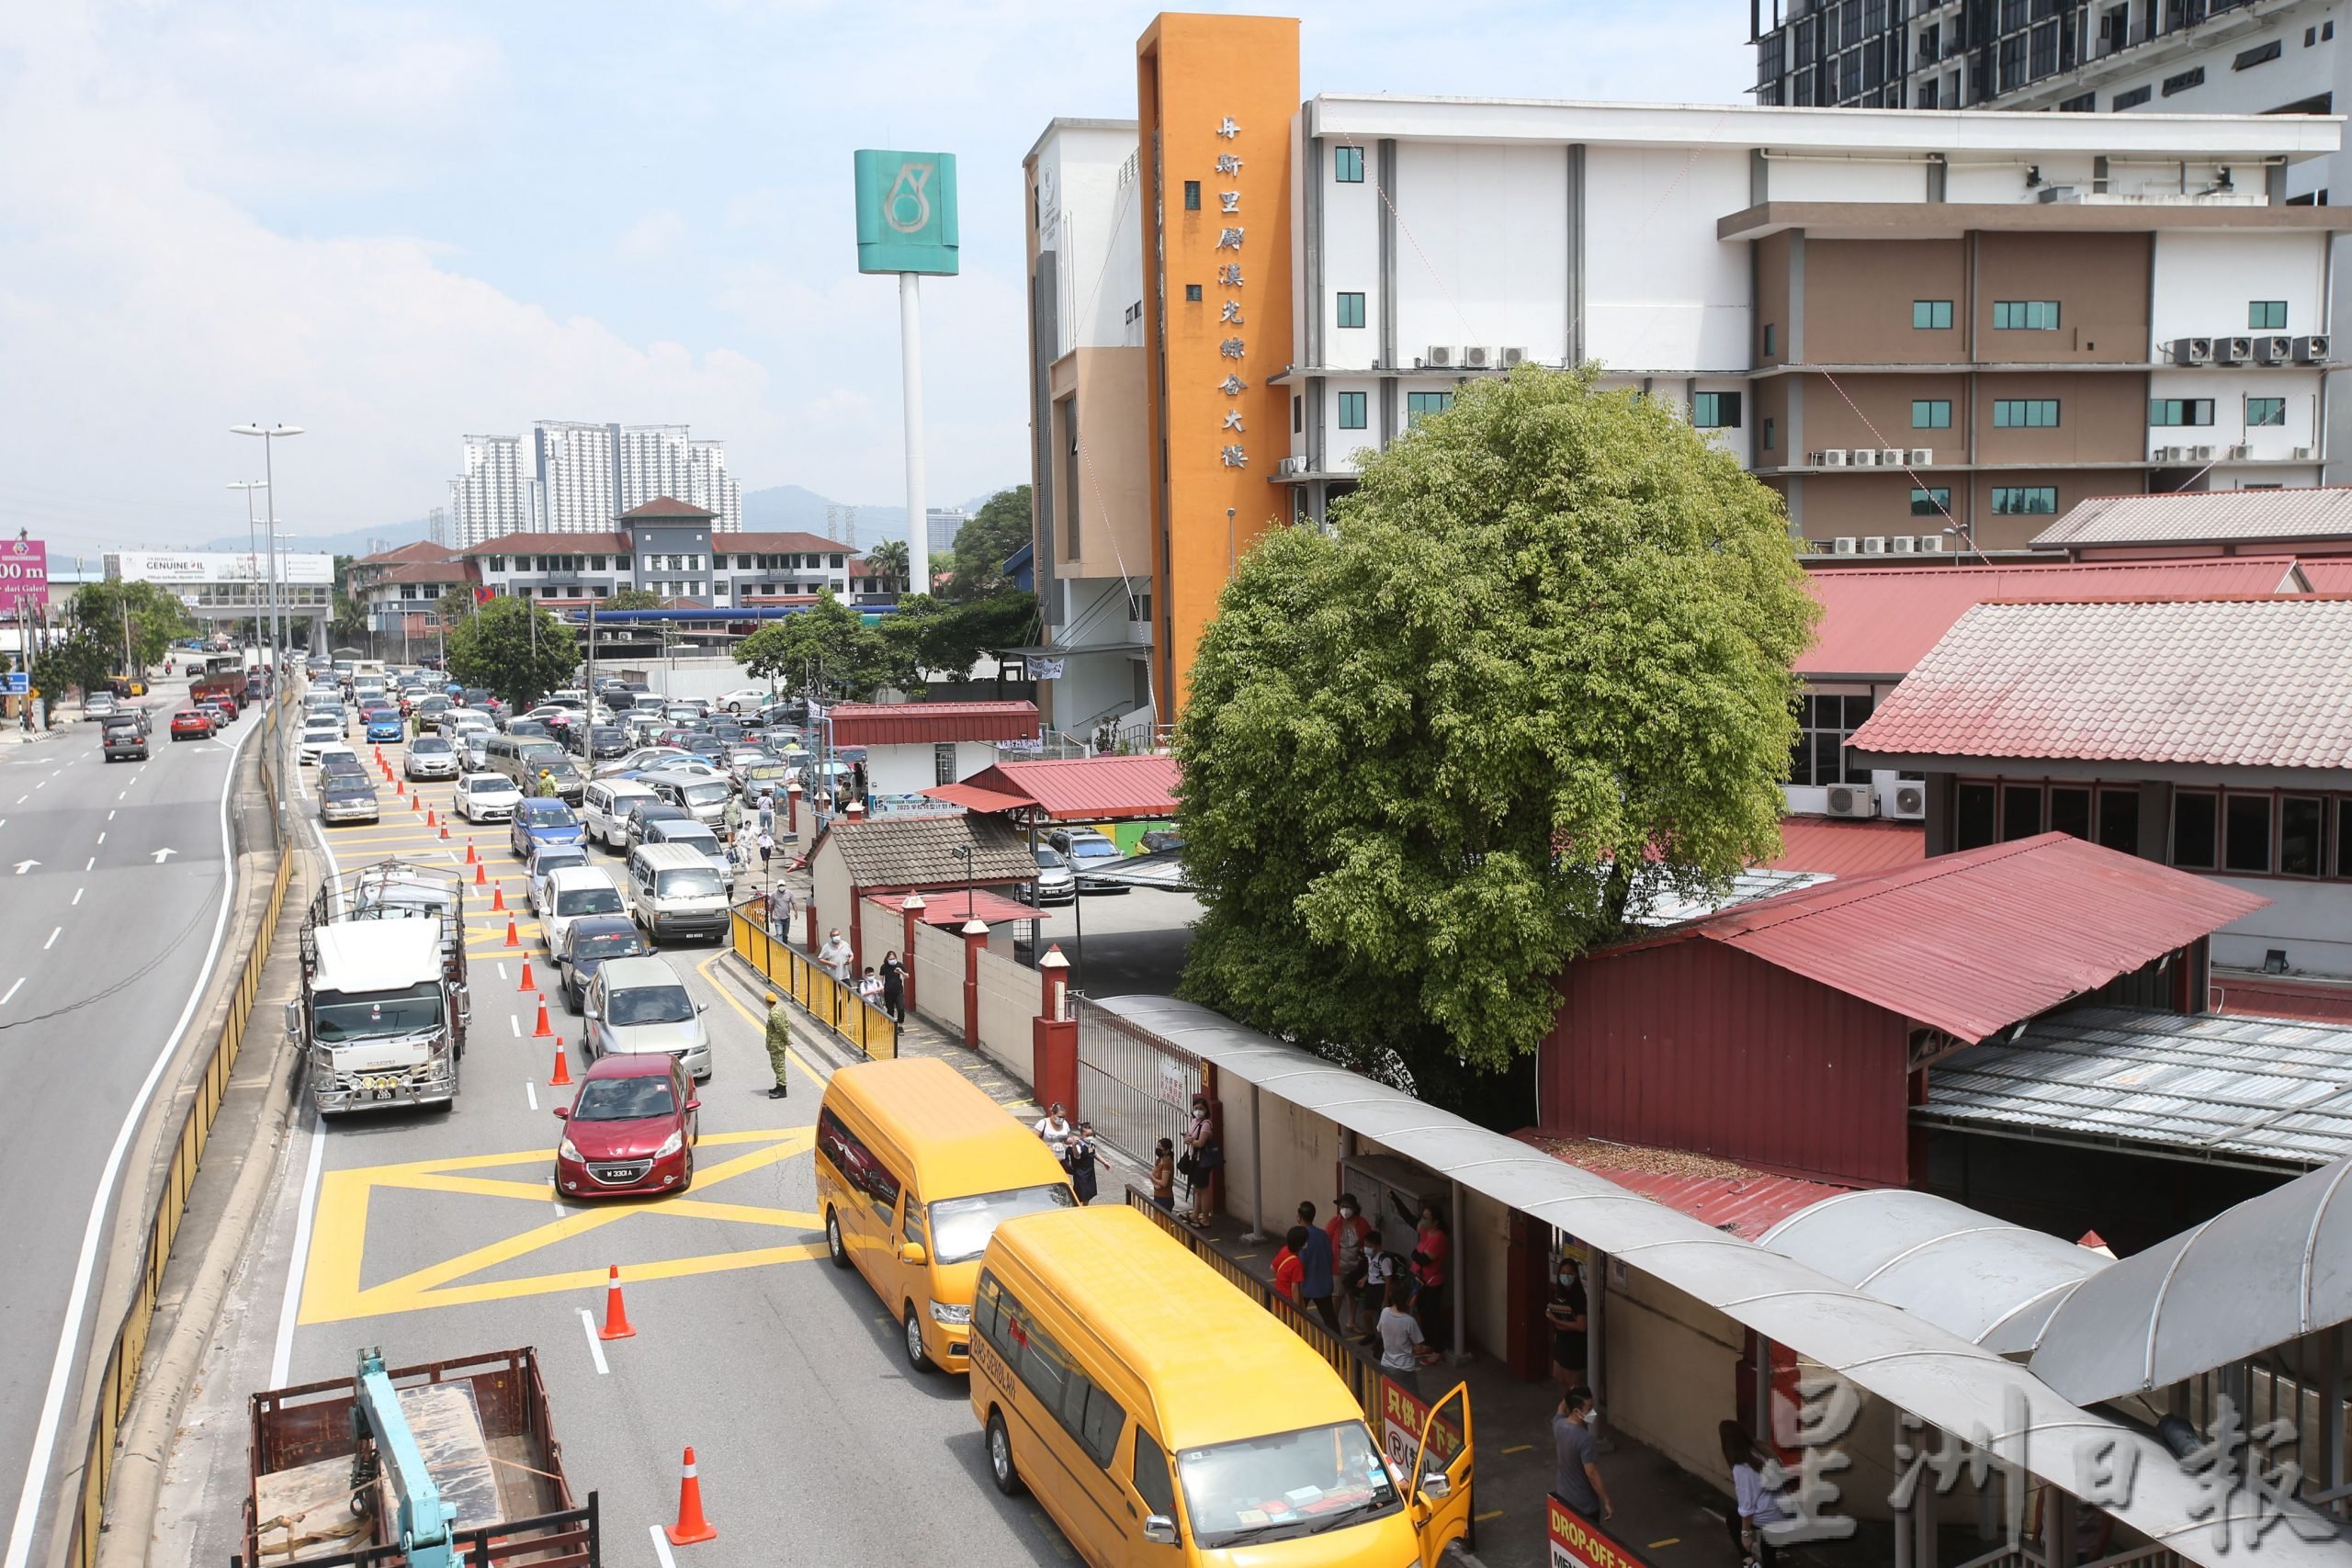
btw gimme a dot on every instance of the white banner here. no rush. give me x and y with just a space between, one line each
190 568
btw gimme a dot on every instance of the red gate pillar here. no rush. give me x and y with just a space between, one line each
912 909
1054 1037
792 810
976 937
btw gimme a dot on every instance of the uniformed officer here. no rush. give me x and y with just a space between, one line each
779 1047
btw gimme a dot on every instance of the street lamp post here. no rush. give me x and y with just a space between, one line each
269 434
252 546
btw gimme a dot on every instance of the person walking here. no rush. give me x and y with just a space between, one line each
1755 1505
1566 1315
894 987
767 849
780 910
1402 1345
779 1047
1576 1467
1080 1160
870 985
1347 1232
1316 1288
1054 1128
1202 1156
1430 1246
1290 1268
733 816
1163 1176
834 958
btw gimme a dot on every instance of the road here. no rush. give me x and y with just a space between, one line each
437 1233
104 951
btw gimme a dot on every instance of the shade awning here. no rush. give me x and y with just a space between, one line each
971 797
951 907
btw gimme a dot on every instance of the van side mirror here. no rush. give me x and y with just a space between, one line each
914 1252
1437 1486
1159 1529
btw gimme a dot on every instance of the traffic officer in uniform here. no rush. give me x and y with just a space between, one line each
779 1047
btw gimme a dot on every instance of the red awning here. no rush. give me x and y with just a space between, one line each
971 797
906 724
946 907
1074 789
1733 1198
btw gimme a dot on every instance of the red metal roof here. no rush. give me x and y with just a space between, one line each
789 542
1847 848
415 550
909 724
1733 1198
1878 621
1975 941
945 907
971 797
2327 574
1079 789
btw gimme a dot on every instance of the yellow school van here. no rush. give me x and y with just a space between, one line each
1165 1420
915 1169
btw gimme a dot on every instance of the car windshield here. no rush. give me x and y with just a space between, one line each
685 833
339 1018
604 900
347 783
1094 849
429 746
596 946
488 786
547 814
1049 859
650 1004
707 793
555 857
625 1099
960 1227
694 883
1290 1484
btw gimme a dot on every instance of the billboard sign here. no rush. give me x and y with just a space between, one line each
906 212
23 575
190 569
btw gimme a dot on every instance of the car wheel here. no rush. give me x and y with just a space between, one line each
1000 1470
918 1358
834 1240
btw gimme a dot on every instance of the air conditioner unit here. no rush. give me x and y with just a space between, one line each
1437 356
1900 544
2310 350
1873 544
1844 545
1865 458
1922 455
1833 457
1909 801
1852 800
1890 458
2273 350
1293 465
2303 454
1477 358
1931 544
2232 350
1511 356
2192 351
2164 455
2200 453
2241 452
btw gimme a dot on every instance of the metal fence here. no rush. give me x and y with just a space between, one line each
118 1378
1135 1087
838 1007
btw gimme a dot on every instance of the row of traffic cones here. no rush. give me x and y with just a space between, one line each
692 1524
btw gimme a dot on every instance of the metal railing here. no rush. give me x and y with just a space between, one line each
1136 1088
836 1005
118 1377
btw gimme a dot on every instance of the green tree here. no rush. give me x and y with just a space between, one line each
1545 646
829 646
888 562
152 617
76 661
1000 527
934 634
630 599
514 648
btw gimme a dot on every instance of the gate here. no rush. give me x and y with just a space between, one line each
1135 1087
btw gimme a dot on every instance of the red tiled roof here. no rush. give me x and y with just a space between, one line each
908 724
777 544
2244 683
2203 517
666 506
1880 621
1083 789
452 570
1973 942
1842 848
551 544
415 550
1733 1198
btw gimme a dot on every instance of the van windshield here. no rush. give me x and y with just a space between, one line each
1291 1484
960 1227
376 1015
697 883
707 793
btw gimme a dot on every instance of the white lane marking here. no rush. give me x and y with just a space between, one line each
661 1541
502 969
102 838
531 1094
43 785
52 939
61 1369
77 895
12 990
282 1356
22 798
88 864
597 1353
516 1024
110 816
124 795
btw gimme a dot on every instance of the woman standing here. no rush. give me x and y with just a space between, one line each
1202 1156
1755 1505
1567 1313
1430 1245
894 987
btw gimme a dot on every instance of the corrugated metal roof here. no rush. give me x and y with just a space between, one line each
952 906
909 723
971 797
1878 621
1717 1193
1086 789
2202 516
2236 682
2261 1090
1838 847
1973 941
2326 574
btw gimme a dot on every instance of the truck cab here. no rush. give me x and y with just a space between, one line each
379 1015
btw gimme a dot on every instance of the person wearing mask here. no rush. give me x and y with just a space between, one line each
894 987
1316 1287
1054 1129
1566 1315
1381 1268
1430 1246
1349 1232
870 985
1576 1468
767 850
1163 1176
834 958
1202 1156
1080 1160
1755 1505
1289 1268
779 1039
1402 1345
733 816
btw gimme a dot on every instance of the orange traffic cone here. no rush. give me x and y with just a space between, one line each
498 902
562 1077
513 938
471 859
445 829
691 1526
543 1032
481 879
431 820
617 1324
399 786
527 985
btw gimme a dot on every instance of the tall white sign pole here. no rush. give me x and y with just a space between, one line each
910 375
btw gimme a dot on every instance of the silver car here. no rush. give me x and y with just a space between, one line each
640 1005
430 757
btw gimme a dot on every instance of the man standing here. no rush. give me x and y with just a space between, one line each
547 789
834 956
779 1048
1576 1477
1315 1285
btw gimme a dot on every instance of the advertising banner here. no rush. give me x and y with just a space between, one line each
23 575
906 212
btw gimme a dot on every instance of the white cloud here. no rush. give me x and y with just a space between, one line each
652 236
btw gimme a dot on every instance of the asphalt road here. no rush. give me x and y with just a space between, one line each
437 1235
104 947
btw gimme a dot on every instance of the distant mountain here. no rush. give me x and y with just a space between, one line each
791 509
359 542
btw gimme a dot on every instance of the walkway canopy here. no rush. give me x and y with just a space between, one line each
1913 1364
1070 790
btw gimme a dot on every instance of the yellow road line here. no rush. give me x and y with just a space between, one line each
726 993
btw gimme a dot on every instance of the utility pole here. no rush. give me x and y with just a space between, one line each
269 435
253 544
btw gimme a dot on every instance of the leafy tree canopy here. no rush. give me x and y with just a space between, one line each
827 649
1547 642
630 599
156 620
938 635
889 560
1000 527
494 646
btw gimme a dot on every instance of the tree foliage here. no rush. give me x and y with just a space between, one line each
76 661
888 560
630 599
929 634
827 650
998 529
156 619
494 645
1546 644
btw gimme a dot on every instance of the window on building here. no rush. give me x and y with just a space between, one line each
943 762
2070 809
835 562
1927 93
1824 726
2081 103
2025 413
2302 835
2131 98
2169 411
1930 315
1931 503
2119 820
1418 406
2264 410
1353 410
1192 196
2245 836
1974 805
1350 308
1931 413
498 563
1347 165
2266 315
1715 410
2182 81
2020 811
2260 54
2025 315
1771 331
1771 435
2195 829
2013 500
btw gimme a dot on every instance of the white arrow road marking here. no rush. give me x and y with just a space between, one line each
25 865
161 854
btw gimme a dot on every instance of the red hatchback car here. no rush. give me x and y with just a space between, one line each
629 1131
191 721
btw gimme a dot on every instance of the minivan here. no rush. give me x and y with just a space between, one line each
916 1167
673 891
698 837
520 758
705 794
603 807
1162 1418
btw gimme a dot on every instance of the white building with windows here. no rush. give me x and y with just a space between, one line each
496 491
574 477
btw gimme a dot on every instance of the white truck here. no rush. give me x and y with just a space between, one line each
380 1016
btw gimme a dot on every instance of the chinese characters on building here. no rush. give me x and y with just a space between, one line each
1231 452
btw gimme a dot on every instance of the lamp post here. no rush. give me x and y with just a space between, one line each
252 546
964 853
269 434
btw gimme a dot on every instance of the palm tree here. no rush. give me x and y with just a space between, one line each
889 559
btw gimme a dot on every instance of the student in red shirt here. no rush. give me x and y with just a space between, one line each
1350 1235
1289 1267
1430 1245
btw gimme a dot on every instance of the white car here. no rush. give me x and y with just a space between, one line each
335 749
744 699
488 797
573 891
316 739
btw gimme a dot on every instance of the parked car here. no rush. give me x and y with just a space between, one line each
194 724
1088 850
1056 883
429 757
487 797
629 1131
541 821
588 941
745 699
640 1007
347 798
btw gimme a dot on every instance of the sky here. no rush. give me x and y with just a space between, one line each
393 224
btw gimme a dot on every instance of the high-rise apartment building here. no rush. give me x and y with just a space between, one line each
943 523
495 491
575 478
576 464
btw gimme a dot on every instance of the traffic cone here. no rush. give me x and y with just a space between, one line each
433 821
691 1526
513 938
399 786
562 1077
617 1324
471 859
527 985
445 829
481 879
543 1032
498 902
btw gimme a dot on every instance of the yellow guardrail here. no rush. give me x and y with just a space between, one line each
836 1005
120 1377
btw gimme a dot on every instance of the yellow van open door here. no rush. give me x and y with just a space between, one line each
1442 1512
